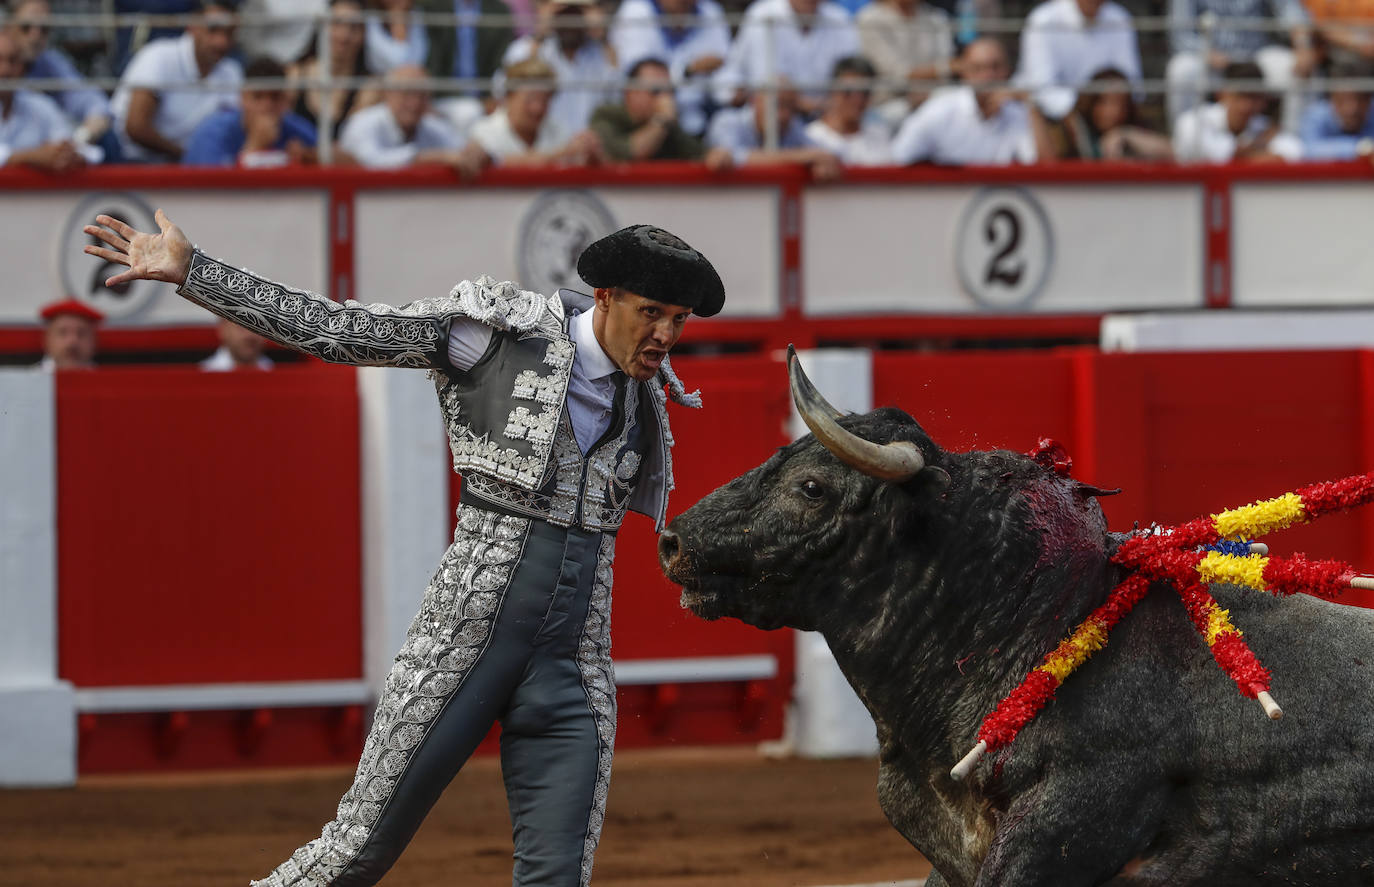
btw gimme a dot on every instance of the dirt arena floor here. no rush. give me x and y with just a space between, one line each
678 818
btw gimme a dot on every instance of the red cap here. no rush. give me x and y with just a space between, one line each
72 307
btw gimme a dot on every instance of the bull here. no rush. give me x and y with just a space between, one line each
940 579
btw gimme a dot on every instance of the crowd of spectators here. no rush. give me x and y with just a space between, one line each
590 82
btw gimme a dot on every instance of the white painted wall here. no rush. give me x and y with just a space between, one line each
37 711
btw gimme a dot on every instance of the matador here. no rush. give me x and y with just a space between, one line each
556 414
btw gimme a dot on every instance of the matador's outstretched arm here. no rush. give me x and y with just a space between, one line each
413 335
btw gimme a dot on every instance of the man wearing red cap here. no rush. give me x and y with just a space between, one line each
69 335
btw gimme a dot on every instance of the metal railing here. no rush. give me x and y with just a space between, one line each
1148 88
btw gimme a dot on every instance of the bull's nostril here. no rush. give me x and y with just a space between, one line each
668 548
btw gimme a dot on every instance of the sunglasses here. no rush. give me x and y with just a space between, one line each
31 28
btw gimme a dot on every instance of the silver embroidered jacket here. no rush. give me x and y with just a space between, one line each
507 416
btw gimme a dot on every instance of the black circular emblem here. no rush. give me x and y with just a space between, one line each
83 277
554 231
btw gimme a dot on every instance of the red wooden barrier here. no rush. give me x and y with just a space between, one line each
1181 434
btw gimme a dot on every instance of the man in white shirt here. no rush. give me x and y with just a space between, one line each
1065 42
33 130
576 50
240 349
402 130
693 52
976 123
153 119
807 38
1234 127
844 128
521 132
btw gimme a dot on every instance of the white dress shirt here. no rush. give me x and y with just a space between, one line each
591 79
636 34
223 362
494 133
1061 50
949 129
1201 135
161 66
373 137
870 146
591 387
805 57
35 120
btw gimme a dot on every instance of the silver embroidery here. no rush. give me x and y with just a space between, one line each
366 335
501 305
676 388
598 681
607 496
556 498
444 641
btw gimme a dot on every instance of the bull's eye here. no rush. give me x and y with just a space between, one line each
812 490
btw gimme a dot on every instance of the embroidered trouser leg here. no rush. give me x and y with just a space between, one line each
506 586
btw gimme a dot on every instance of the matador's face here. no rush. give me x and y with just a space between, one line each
637 332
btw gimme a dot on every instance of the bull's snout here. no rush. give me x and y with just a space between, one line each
669 551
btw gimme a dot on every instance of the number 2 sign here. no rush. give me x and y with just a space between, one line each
1004 248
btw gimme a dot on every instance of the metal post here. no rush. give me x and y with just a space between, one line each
324 137
770 62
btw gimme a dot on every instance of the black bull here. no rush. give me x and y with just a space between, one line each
940 584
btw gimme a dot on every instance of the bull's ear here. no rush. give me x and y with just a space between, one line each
929 481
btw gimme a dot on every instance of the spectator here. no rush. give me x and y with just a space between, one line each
645 126
844 127
239 349
1107 126
909 42
1064 42
1346 28
1234 128
261 132
808 37
741 132
402 130
522 133
86 107
466 49
153 118
33 131
1340 127
575 47
395 37
288 37
981 122
345 36
1189 67
693 51
69 335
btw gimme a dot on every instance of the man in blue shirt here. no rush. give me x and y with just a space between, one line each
1340 127
260 133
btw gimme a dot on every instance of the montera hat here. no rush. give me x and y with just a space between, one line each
655 264
72 307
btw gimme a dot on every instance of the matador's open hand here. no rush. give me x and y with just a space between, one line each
165 256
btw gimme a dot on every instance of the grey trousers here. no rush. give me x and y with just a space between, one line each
515 627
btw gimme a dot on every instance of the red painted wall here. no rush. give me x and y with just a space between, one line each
208 526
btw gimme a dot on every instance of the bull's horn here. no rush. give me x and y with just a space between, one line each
896 461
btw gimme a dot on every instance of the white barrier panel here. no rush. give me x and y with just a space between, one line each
953 249
1302 244
1238 330
281 234
418 244
37 711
